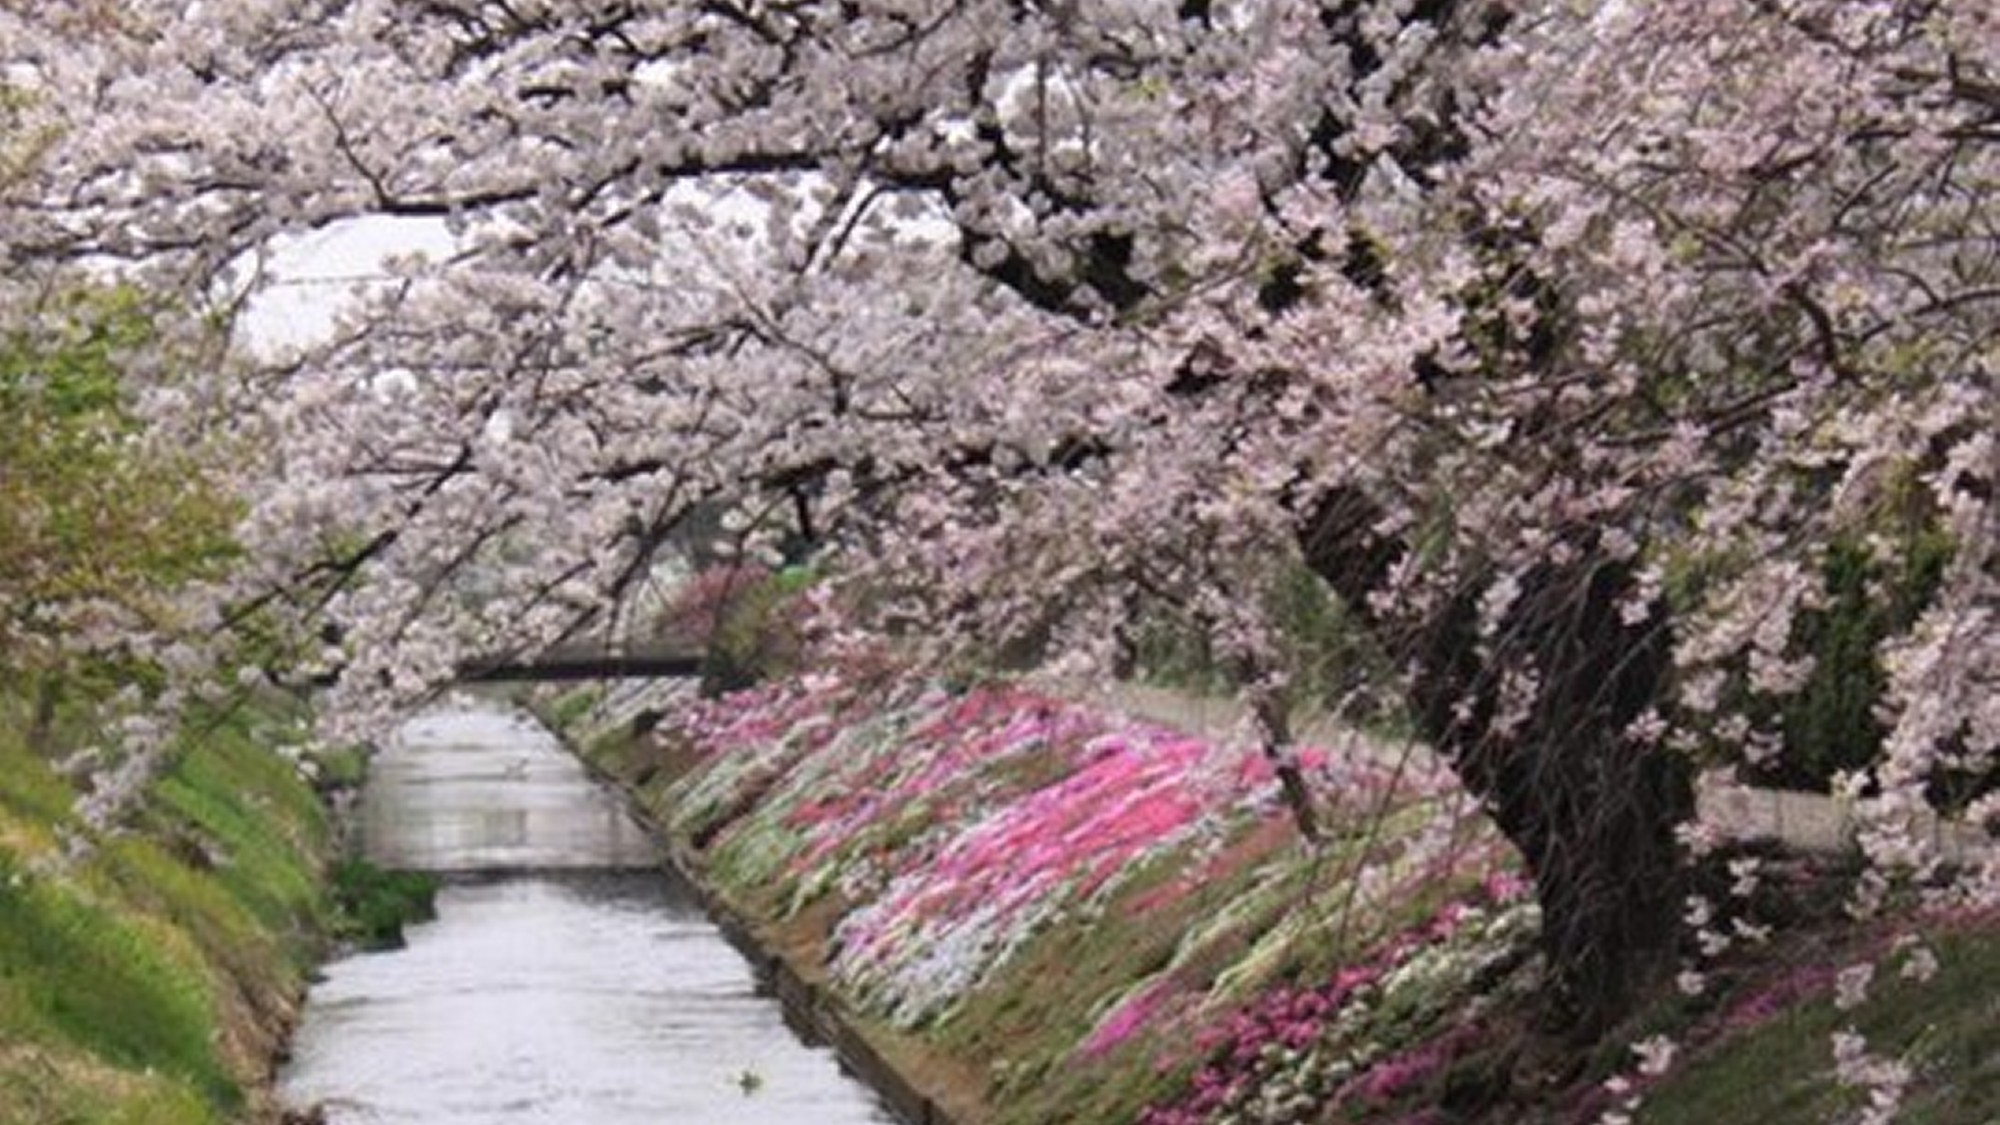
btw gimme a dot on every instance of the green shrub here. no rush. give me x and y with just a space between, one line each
571 707
1332 663
341 768
1830 725
374 905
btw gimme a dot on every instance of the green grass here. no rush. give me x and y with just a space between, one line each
30 790
251 807
77 973
34 803
1947 1030
142 984
612 751
68 1087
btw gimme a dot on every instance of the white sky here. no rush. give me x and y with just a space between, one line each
313 276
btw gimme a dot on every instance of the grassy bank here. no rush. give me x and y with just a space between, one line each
1042 915
152 977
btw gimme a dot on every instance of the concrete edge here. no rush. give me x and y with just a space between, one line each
813 1013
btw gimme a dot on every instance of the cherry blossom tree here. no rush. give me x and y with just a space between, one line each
1562 340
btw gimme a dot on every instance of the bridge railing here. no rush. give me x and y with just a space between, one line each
587 662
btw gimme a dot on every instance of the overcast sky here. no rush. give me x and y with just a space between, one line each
314 274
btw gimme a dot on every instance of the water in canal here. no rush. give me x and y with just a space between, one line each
566 981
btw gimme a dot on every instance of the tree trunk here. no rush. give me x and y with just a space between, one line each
1591 810
1274 734
42 726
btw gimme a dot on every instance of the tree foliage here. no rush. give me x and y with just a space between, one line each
98 526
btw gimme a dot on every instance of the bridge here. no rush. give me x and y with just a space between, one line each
662 660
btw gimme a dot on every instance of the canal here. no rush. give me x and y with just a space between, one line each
567 979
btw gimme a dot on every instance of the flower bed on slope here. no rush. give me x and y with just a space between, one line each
1085 918
1075 901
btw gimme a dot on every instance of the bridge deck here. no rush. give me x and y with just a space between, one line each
560 664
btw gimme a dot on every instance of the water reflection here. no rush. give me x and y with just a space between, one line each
487 789
568 998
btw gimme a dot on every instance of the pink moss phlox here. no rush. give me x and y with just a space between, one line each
1087 824
1006 722
1287 1018
1291 1018
756 717
1506 887
1128 792
1126 1019
1767 1003
989 858
944 747
936 750
1400 1073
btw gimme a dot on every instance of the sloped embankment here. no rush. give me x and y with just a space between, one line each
151 977
1036 914
1040 914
